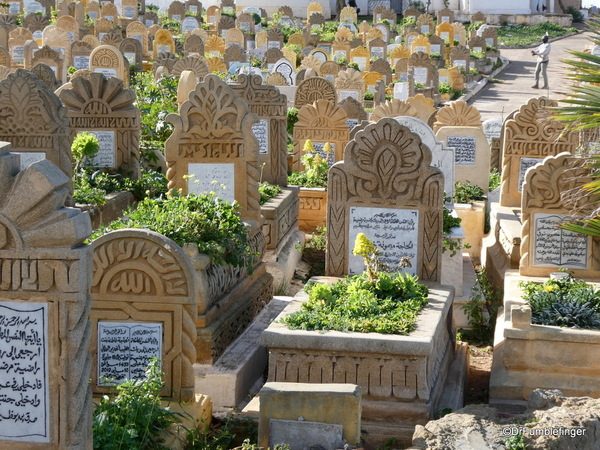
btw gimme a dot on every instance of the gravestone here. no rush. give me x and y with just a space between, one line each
176 11
214 46
213 14
225 24
233 54
424 70
393 108
163 42
196 65
548 202
445 31
313 89
235 37
425 23
460 57
129 9
102 26
377 49
360 56
80 53
112 37
270 106
460 33
70 26
194 46
46 74
320 122
545 246
104 108
527 139
477 44
108 61
55 61
38 128
492 129
329 70
144 304
386 188
286 69
399 53
36 24
215 143
245 23
423 105
442 156
194 6
16 44
445 15
132 50
44 303
355 112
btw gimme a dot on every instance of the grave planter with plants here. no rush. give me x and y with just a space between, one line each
548 338
385 332
470 206
312 183
232 280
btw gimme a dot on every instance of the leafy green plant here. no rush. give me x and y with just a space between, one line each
354 66
133 419
420 86
435 55
211 223
495 179
445 88
369 95
316 168
390 305
221 434
466 192
292 118
577 15
85 147
449 222
267 191
481 311
512 35
565 302
516 442
477 55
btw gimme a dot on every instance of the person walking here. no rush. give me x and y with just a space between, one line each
543 56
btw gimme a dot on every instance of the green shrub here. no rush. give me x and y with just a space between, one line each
133 418
577 15
467 192
389 304
369 95
267 191
211 223
292 118
565 302
495 179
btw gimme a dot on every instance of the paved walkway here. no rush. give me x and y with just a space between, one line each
500 99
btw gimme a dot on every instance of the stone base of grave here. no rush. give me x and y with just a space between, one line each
412 371
197 414
313 209
229 380
282 263
232 314
116 203
452 262
502 246
473 222
529 357
459 317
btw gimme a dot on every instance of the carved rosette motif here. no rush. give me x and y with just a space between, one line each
196 65
386 165
42 260
554 186
393 108
143 276
457 114
312 89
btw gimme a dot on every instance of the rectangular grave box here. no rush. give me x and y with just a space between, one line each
313 208
281 217
401 377
528 357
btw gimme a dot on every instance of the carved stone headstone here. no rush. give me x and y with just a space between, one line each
194 46
132 50
354 111
176 11
80 53
528 138
313 89
34 121
387 189
44 304
547 202
196 65
46 73
103 107
213 141
320 122
144 305
109 61
270 106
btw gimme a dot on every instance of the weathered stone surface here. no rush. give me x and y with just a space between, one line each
45 277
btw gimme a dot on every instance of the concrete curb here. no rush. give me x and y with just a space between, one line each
481 83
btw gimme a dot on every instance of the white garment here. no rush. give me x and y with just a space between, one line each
543 52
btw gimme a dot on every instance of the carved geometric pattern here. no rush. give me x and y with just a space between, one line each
313 89
386 165
457 114
42 261
216 64
101 104
46 75
193 63
554 186
165 59
142 276
393 108
276 79
33 119
214 126
113 38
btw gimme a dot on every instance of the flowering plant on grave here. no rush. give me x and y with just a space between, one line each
316 167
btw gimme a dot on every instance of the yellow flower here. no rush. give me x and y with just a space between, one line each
549 288
363 246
